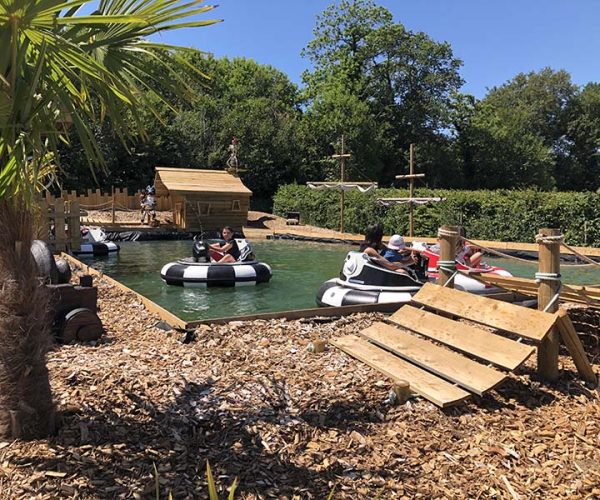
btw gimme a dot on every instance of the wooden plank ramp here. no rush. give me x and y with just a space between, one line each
425 384
442 373
531 324
441 361
471 340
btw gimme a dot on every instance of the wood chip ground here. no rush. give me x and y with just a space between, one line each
253 401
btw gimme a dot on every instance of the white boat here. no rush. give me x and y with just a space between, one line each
94 242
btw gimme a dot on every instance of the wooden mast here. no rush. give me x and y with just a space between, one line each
342 157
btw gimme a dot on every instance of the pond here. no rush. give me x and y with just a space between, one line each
299 268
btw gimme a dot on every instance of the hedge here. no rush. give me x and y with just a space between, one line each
489 215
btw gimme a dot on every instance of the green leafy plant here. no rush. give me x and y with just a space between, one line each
213 494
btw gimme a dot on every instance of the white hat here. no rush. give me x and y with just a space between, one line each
396 242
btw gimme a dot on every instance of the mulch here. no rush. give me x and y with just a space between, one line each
252 400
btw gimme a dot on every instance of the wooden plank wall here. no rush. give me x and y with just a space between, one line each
212 212
98 199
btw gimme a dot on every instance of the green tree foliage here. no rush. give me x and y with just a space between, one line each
255 103
580 165
378 83
515 136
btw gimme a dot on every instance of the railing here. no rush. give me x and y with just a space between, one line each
117 199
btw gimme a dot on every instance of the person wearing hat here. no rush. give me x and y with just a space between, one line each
372 246
397 252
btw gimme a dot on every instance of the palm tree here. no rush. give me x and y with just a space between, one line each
57 63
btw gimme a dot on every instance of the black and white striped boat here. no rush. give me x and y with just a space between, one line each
186 272
94 242
197 272
362 281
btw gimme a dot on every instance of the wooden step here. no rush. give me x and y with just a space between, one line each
466 338
528 323
435 389
448 364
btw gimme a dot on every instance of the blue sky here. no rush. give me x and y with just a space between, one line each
494 39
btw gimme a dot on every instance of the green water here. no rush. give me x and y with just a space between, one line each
298 270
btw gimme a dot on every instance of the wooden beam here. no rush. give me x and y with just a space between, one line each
469 339
445 363
575 347
531 324
300 314
433 388
410 176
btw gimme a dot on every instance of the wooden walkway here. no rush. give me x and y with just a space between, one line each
446 361
309 232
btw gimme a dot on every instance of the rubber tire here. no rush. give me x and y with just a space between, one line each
82 325
64 271
44 260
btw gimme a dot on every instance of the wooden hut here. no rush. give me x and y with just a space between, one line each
204 200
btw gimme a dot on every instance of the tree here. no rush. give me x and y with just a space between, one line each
405 80
256 103
580 168
51 62
514 137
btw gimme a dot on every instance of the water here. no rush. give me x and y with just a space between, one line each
298 270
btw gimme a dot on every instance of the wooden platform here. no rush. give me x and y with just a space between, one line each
446 360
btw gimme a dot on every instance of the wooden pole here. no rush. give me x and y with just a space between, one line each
446 264
549 274
113 204
411 191
342 197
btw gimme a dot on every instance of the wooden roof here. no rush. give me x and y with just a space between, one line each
193 180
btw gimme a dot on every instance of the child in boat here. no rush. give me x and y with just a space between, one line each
397 252
228 251
372 246
467 254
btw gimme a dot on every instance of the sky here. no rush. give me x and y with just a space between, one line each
495 39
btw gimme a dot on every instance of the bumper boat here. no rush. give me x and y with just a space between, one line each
363 281
200 271
461 282
94 242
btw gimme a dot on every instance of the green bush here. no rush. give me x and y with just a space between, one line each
489 215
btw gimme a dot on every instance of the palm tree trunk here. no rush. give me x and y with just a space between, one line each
26 406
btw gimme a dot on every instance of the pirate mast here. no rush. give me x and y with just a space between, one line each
411 201
342 185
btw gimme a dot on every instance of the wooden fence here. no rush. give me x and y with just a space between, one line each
60 225
99 200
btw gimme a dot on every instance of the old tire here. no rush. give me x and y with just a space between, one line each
44 260
81 325
64 271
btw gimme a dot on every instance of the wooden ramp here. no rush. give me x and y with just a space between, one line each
445 360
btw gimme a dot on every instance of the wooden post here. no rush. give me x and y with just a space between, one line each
411 190
401 390
447 236
549 272
113 205
342 195
59 225
75 225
